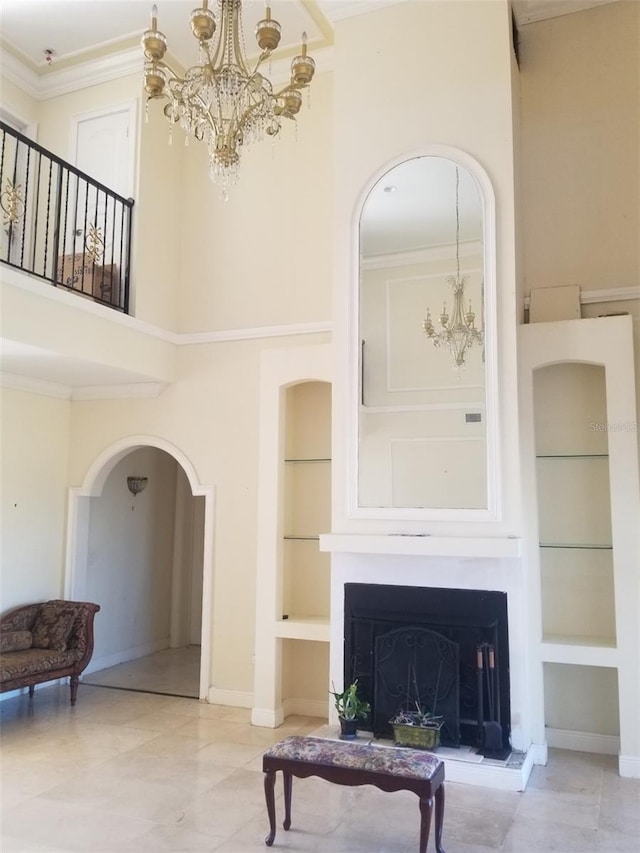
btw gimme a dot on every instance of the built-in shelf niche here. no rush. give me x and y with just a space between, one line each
574 507
307 501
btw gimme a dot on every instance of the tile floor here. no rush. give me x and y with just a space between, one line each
172 671
128 772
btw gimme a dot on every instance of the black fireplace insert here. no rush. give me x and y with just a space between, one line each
448 647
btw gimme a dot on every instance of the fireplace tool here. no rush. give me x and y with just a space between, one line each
489 731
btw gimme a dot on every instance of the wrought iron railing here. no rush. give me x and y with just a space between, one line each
61 225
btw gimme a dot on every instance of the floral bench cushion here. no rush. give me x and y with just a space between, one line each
34 661
391 761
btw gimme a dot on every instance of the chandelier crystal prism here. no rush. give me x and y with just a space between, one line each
224 101
458 332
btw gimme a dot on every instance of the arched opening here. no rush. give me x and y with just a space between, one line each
146 558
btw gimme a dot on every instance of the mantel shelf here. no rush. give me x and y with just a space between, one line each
421 545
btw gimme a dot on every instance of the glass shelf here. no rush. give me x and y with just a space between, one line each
310 459
581 547
302 538
572 456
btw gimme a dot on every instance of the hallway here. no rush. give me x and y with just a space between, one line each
171 672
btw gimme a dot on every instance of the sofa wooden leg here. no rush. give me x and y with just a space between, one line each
73 684
32 690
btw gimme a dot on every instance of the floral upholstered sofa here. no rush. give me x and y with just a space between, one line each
45 641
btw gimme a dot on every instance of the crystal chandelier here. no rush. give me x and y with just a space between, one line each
224 101
458 332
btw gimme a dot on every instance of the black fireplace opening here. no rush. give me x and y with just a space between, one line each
447 649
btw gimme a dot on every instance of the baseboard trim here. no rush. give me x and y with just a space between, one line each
133 653
539 753
234 698
583 741
267 718
629 766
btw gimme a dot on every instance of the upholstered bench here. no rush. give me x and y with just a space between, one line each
348 763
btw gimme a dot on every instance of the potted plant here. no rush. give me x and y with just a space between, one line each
350 709
417 727
414 725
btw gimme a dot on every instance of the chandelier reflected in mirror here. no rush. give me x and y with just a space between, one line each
224 101
458 331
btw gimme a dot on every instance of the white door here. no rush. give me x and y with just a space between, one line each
102 146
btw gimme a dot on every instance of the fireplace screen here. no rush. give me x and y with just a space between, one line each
448 646
415 667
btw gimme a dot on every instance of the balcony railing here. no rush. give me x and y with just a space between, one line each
62 225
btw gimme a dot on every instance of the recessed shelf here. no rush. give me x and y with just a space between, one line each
302 538
311 459
572 456
578 547
303 628
581 651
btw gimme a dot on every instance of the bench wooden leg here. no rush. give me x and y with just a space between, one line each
426 808
269 793
288 785
439 818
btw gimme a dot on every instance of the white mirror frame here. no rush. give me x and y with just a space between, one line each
493 510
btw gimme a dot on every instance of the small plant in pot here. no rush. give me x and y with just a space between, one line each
417 727
350 710
414 725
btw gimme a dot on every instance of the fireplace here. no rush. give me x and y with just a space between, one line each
442 647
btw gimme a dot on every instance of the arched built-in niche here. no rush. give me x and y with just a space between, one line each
78 530
424 426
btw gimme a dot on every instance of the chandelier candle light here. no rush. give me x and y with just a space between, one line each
458 332
224 101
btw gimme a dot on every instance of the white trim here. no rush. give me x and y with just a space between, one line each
493 511
426 407
268 718
398 544
234 698
312 328
539 752
629 766
34 386
583 741
113 66
420 256
127 391
78 525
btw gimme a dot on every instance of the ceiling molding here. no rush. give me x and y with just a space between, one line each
115 66
127 391
34 386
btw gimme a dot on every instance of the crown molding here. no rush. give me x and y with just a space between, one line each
469 249
131 390
75 77
112 67
34 386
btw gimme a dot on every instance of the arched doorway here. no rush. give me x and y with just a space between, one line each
147 559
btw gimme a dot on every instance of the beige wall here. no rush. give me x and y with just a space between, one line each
211 415
264 256
580 155
580 84
35 446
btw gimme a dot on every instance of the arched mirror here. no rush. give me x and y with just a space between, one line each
422 329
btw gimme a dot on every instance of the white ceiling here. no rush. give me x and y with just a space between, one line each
78 29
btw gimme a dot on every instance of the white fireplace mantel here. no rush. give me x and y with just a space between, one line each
421 545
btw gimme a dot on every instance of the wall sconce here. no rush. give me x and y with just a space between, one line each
136 484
